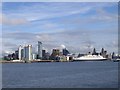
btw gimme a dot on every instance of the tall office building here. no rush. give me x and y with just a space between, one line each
20 53
103 53
24 52
102 50
28 53
94 52
39 49
43 54
16 54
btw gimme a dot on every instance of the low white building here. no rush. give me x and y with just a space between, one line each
34 56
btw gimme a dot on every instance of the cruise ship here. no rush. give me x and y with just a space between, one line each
90 58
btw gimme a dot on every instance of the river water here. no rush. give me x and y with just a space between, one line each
89 74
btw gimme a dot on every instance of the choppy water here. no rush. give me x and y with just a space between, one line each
93 74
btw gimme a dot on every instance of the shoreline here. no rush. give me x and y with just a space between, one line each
33 61
40 61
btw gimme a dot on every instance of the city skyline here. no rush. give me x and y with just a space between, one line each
74 25
25 54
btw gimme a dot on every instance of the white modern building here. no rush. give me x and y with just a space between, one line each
39 49
34 56
20 53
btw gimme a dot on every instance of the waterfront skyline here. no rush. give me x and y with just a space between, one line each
74 25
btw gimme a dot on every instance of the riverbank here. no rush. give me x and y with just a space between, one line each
32 61
40 61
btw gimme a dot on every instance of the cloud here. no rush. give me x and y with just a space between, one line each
11 21
44 37
50 26
101 16
113 44
69 24
8 47
26 36
104 15
18 35
31 12
74 41
60 9
50 40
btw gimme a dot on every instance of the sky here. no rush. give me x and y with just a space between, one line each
74 25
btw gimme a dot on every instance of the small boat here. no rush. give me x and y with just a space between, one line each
90 58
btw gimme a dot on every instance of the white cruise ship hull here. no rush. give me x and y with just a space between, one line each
90 58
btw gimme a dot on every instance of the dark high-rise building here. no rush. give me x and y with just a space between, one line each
65 52
94 52
16 54
22 54
113 54
47 56
43 54
103 53
39 50
13 56
102 50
